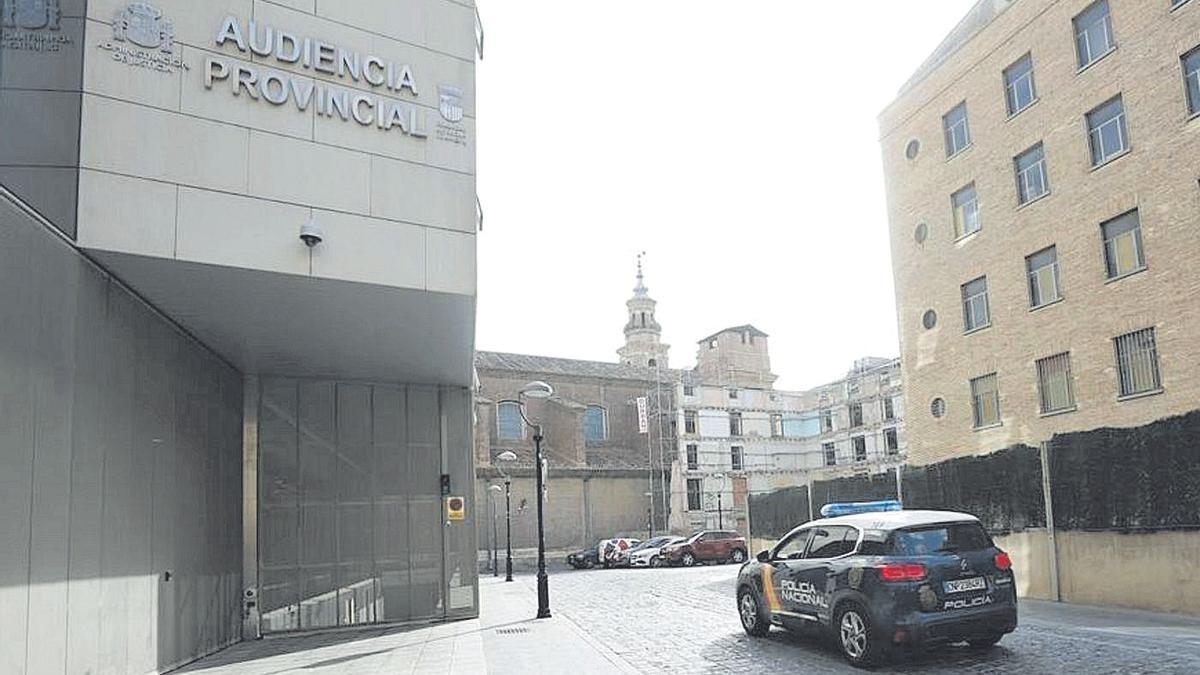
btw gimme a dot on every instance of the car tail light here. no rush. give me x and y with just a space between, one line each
903 572
1003 562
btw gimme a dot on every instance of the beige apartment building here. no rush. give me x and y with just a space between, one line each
1041 172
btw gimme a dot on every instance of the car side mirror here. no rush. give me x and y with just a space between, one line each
764 556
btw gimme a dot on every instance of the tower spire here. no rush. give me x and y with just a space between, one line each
640 290
642 332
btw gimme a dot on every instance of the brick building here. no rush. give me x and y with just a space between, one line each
1042 185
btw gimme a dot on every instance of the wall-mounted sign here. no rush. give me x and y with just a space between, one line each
31 25
456 508
143 37
643 415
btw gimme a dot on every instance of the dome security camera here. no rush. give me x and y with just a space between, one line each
311 233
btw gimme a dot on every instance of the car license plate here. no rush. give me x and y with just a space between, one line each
961 585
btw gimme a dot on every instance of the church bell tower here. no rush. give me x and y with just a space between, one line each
642 332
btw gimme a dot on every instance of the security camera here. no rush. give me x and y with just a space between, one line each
311 233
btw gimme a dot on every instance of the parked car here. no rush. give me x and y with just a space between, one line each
612 551
709 546
586 558
649 552
879 580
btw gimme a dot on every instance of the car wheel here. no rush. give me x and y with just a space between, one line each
656 561
587 564
688 560
751 614
739 556
856 637
985 642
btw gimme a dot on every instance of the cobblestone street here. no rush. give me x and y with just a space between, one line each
682 620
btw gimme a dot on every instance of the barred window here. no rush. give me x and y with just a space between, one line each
1108 135
985 400
1123 252
830 454
689 421
889 409
975 305
856 415
693 457
509 425
776 425
693 494
958 132
892 441
689 390
735 424
860 448
1191 79
1019 90
1137 362
1032 181
595 423
966 211
1042 268
1093 33
1054 383
737 458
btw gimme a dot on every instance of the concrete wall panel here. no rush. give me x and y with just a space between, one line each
142 223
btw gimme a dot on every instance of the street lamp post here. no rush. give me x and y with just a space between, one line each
720 513
507 456
492 490
538 390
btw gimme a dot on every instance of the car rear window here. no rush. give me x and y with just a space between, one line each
930 539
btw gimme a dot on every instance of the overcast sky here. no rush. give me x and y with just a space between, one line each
734 142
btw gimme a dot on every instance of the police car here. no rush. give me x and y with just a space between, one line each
877 577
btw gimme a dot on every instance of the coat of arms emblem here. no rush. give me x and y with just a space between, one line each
144 25
31 14
450 103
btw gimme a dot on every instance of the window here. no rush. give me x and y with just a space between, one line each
856 415
776 425
1093 33
937 407
985 400
889 409
929 319
911 150
693 457
1137 362
693 494
860 448
1018 85
735 424
689 390
1042 268
1123 245
830 454
652 362
509 425
793 547
1031 174
958 134
975 305
930 539
689 421
832 541
1191 79
737 458
712 344
892 441
826 421
1108 136
966 211
595 423
1054 383
733 393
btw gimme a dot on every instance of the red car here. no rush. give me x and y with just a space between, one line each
708 546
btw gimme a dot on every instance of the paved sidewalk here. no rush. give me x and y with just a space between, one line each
505 639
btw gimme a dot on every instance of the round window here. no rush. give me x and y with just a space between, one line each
929 320
911 150
921 233
938 407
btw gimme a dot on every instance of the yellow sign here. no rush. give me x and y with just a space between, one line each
456 508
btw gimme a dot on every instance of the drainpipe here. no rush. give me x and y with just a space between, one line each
1055 590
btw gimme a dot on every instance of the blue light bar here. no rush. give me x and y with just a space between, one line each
847 508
